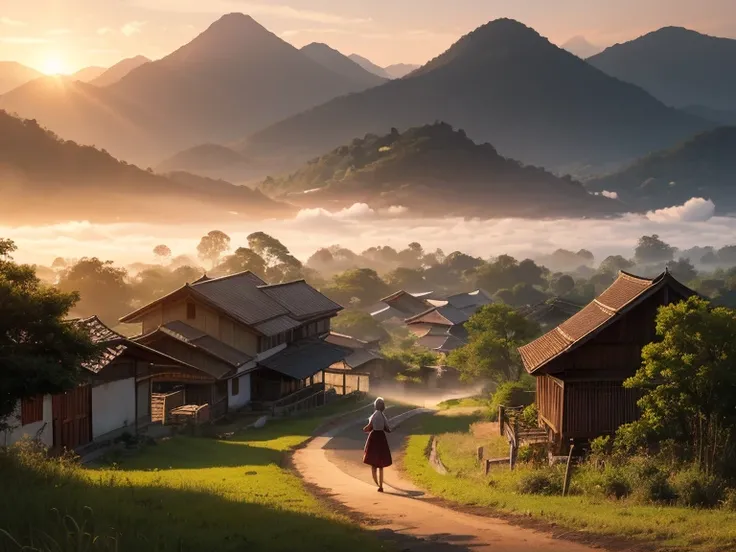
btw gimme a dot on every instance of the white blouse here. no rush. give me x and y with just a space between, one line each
378 421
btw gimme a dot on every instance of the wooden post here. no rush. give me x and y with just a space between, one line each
479 453
500 418
568 470
344 383
488 466
512 460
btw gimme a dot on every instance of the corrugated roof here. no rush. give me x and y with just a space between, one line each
626 291
304 358
191 336
277 325
300 299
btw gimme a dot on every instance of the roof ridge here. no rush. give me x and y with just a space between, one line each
268 286
563 334
634 277
606 308
226 277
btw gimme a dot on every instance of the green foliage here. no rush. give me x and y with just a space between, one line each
651 250
102 288
695 488
281 265
689 382
359 324
242 259
361 286
505 272
530 416
512 393
405 358
39 352
495 332
541 482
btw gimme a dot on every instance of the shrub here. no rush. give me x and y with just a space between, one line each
511 393
651 481
535 454
729 500
695 488
615 483
530 416
540 482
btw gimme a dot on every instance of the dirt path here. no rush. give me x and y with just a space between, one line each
333 464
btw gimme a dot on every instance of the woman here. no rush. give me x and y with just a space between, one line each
376 452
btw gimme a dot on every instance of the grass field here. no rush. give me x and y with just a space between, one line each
665 528
480 402
183 494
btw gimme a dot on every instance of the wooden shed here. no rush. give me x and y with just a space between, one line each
580 365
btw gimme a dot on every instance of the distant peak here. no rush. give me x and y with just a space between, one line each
235 22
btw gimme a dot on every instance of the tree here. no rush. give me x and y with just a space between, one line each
243 259
689 382
495 332
563 285
59 263
651 250
162 251
361 285
727 255
359 324
683 270
39 352
505 272
282 266
615 263
408 279
102 287
213 245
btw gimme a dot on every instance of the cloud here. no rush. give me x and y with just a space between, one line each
397 210
59 32
105 30
12 22
23 40
609 195
132 28
695 209
354 212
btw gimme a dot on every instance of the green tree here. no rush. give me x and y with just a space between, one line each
212 246
615 263
408 279
102 286
495 333
242 259
563 285
683 270
361 286
282 266
39 352
689 382
359 324
652 250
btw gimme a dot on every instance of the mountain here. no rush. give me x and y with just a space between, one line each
678 66
703 166
580 46
88 74
504 84
434 171
119 70
44 179
341 64
234 78
716 115
369 66
400 70
13 75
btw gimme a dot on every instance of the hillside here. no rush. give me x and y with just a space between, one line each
678 66
342 65
704 166
88 74
234 78
369 66
581 47
119 70
502 83
13 75
44 179
433 171
400 70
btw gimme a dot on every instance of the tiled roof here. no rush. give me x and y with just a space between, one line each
361 357
191 336
304 358
440 343
476 298
277 325
300 299
624 292
447 316
348 341
111 343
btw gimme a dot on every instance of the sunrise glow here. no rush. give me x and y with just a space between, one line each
54 65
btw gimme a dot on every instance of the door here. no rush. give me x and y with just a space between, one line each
72 418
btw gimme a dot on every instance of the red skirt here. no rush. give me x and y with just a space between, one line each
376 452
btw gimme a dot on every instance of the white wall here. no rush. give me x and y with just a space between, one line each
113 406
243 397
17 431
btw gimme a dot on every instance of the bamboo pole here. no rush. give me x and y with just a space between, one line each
568 470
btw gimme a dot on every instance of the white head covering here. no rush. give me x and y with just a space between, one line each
378 418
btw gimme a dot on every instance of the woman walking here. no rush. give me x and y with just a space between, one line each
376 452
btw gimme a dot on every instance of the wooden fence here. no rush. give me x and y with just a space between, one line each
345 382
163 403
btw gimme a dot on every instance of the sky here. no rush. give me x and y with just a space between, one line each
66 35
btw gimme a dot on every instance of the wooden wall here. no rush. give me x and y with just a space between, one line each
594 408
550 392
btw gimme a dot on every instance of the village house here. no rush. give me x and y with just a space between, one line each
364 356
114 395
398 306
580 365
257 342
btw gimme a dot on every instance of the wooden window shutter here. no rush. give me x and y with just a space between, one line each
31 410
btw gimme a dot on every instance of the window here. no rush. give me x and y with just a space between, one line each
191 311
235 386
31 410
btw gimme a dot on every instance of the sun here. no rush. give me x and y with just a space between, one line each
54 65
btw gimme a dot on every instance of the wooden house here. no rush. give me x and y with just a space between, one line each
257 342
363 356
114 395
580 365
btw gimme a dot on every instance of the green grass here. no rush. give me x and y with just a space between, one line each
183 494
665 527
480 402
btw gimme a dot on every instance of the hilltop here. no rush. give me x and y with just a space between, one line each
13 75
433 171
46 179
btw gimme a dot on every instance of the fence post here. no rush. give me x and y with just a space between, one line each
479 453
344 383
488 466
500 418
568 470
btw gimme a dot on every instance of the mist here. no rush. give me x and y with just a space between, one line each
359 227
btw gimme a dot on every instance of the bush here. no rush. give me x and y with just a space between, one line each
616 483
652 483
540 482
530 416
535 454
729 500
695 488
511 393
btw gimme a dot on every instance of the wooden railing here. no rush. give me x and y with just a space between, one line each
517 431
163 403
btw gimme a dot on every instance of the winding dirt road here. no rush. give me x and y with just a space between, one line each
333 464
